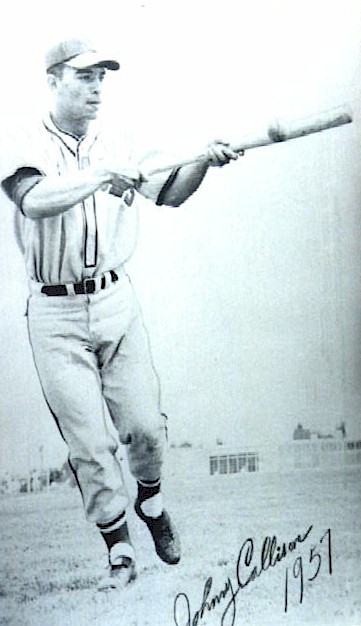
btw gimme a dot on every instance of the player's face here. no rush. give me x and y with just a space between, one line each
78 92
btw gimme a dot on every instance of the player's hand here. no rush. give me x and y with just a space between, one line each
220 153
125 179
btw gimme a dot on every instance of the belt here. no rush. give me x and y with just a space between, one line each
86 286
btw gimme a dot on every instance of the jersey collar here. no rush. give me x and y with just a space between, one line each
71 142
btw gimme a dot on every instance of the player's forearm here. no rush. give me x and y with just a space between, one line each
186 182
54 195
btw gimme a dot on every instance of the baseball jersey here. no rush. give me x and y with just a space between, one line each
95 235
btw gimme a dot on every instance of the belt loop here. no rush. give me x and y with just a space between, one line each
98 283
114 276
108 279
70 289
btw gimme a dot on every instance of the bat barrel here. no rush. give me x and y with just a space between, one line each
331 119
300 128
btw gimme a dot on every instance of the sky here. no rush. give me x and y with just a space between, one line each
251 289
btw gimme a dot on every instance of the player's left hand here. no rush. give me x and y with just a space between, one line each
220 153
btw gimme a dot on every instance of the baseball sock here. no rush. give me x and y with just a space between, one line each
150 497
115 531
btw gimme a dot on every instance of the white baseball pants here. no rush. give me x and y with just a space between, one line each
92 350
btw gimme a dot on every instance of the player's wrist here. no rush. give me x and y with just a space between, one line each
103 176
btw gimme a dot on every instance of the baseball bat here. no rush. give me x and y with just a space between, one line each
278 133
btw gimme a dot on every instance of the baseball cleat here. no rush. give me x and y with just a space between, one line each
164 534
123 573
122 570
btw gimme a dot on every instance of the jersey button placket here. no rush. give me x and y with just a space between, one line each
90 222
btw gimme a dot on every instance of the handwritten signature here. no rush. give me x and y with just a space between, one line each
248 569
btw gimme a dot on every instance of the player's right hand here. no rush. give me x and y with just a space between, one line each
125 178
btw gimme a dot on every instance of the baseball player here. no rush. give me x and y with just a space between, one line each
75 190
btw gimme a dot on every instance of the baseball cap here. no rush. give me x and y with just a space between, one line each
78 54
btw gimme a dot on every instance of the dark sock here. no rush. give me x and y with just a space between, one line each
147 489
119 534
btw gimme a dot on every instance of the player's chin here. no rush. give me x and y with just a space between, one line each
91 111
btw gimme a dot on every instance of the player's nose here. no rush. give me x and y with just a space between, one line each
96 85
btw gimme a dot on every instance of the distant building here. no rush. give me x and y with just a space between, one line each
326 452
233 463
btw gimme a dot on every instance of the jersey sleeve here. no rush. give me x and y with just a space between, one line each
20 183
135 150
158 184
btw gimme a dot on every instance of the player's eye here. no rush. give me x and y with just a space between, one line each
85 77
89 77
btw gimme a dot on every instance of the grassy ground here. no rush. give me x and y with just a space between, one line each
52 560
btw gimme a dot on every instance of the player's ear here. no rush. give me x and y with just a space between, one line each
52 80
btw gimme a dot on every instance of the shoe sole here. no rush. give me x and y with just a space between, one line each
110 582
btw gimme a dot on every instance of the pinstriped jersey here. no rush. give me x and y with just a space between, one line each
91 237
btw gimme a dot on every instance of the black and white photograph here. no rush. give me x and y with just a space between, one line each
180 313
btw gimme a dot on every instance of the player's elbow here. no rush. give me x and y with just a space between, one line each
31 204
173 198
28 208
32 208
174 202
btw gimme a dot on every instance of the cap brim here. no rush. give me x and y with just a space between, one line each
90 59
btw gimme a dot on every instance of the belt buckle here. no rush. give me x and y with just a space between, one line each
89 285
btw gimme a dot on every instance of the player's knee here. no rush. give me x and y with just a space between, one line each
146 448
148 443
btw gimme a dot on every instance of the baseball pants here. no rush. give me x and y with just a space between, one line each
90 351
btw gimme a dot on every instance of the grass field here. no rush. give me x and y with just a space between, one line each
52 560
